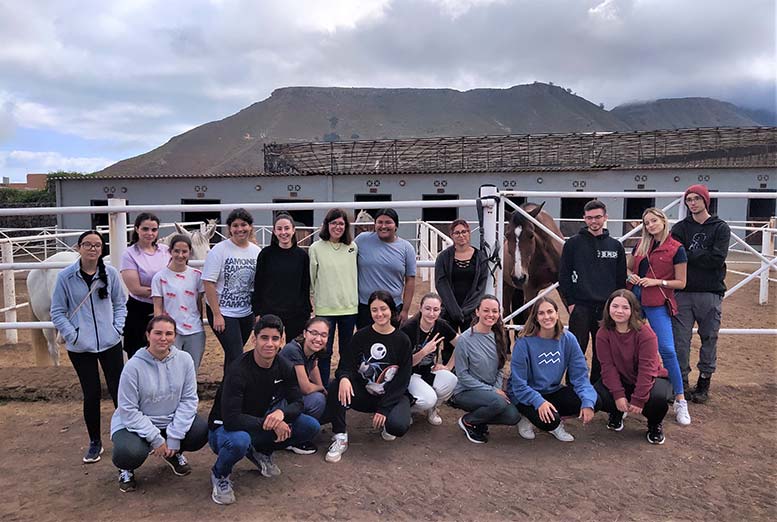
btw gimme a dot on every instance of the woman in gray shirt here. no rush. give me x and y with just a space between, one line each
481 353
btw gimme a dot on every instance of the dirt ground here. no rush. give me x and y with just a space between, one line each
723 466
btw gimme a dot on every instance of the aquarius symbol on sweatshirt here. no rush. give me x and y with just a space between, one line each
547 357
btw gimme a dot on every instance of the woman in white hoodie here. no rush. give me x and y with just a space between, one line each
157 412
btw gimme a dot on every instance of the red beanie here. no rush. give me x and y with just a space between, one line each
702 191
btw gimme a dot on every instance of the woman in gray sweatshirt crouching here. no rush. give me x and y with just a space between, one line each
481 352
157 412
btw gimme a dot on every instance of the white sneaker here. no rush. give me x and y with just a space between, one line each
434 417
681 413
561 434
337 448
526 429
222 490
387 436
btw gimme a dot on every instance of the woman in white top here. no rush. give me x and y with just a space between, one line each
139 263
228 276
177 291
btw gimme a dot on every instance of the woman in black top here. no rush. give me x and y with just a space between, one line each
372 377
460 271
282 281
432 382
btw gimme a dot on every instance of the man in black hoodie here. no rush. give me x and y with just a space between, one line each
706 239
593 265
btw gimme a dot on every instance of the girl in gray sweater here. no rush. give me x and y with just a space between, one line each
480 355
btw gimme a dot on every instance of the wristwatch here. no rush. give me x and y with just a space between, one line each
663 282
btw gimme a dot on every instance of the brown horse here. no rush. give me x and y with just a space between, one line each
531 257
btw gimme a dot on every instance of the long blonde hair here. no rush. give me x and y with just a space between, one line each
647 239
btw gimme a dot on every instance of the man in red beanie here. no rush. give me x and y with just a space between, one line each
706 239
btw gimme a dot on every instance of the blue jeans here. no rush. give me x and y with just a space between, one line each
661 323
232 446
345 325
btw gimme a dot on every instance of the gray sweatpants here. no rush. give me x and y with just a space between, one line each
703 308
194 345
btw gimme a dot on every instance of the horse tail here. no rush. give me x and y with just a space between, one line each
41 345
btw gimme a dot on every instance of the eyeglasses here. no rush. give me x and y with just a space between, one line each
91 246
693 199
460 233
314 333
337 224
594 218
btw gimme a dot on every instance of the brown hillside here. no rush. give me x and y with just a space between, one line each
683 113
324 114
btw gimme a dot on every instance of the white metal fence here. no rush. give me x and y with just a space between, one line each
430 240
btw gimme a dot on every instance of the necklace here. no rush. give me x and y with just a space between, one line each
336 248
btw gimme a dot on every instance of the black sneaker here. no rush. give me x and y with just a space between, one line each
483 430
472 432
303 448
615 421
655 434
93 453
126 480
179 464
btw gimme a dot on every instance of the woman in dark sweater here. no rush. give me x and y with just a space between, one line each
633 380
282 281
460 277
372 377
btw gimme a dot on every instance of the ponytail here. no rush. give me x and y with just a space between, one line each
102 275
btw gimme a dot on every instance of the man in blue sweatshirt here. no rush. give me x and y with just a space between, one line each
706 239
593 265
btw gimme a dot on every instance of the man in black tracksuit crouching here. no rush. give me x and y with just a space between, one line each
593 265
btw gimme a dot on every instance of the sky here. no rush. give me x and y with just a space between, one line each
86 83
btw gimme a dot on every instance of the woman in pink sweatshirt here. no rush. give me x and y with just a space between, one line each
633 380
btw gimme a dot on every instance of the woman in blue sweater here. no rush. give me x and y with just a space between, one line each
542 354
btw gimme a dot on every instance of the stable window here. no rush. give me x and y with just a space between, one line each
632 212
758 212
572 209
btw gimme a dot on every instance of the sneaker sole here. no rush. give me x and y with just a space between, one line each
127 489
658 442
300 451
92 461
176 471
333 458
615 428
466 432
220 503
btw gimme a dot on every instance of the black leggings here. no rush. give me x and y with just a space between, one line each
397 420
139 314
567 404
655 408
236 332
85 365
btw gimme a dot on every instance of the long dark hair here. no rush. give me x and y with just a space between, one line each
333 214
283 215
500 335
102 275
310 322
143 216
382 295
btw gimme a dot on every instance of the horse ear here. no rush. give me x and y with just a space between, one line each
536 211
181 230
210 228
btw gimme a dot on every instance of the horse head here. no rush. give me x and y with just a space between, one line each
522 243
200 238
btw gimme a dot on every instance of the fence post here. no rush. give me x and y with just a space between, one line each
489 234
767 249
117 231
9 293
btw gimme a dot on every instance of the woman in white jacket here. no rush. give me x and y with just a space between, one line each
157 413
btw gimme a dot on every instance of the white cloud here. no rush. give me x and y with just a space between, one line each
17 163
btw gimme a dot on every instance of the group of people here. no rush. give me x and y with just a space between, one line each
392 365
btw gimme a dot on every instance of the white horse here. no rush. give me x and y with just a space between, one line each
41 283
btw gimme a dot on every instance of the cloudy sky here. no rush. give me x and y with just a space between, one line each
85 83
